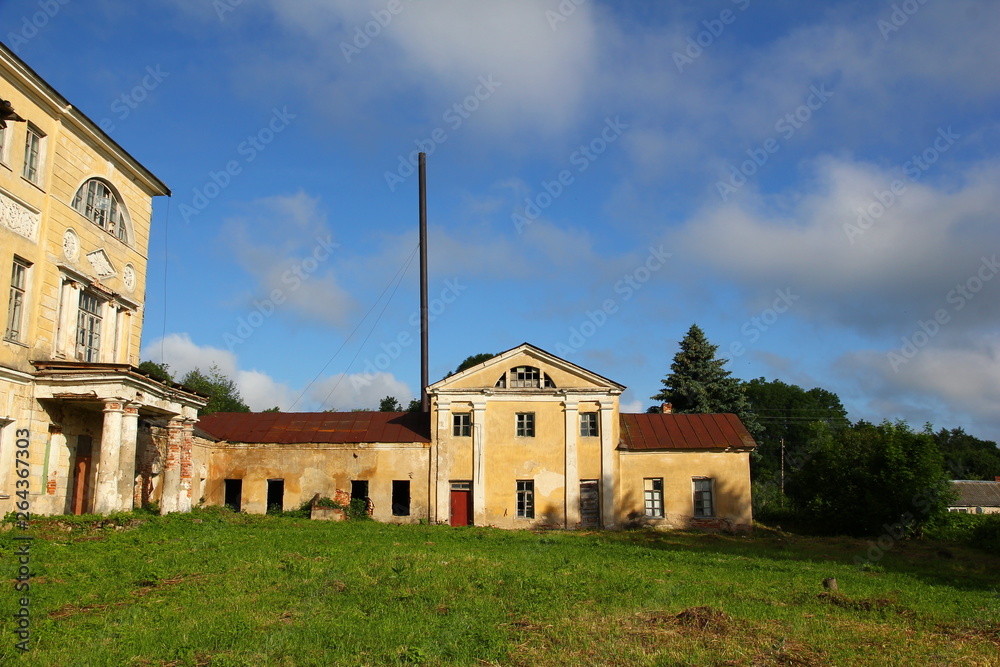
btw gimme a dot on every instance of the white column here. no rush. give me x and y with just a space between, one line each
608 491
69 305
572 464
126 464
107 471
441 491
479 463
170 486
186 467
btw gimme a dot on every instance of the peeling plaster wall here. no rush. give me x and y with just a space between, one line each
308 469
730 470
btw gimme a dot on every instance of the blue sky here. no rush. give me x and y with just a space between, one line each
814 184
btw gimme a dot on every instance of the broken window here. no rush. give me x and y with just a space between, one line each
525 425
15 304
525 499
653 493
703 504
97 201
401 497
462 424
32 154
588 424
88 328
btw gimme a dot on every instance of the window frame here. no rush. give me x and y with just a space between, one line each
4 142
461 424
591 429
88 336
17 300
87 202
31 170
524 500
653 497
524 425
702 498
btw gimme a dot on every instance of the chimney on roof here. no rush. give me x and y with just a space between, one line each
667 408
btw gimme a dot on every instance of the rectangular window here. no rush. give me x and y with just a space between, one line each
703 506
401 497
461 424
588 424
15 304
525 499
653 493
32 154
524 376
525 425
88 328
3 144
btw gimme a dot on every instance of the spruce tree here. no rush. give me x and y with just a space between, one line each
698 383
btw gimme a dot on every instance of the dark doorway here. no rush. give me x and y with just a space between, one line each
81 474
401 497
359 489
275 496
590 506
234 494
461 503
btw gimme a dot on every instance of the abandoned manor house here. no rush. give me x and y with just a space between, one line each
525 439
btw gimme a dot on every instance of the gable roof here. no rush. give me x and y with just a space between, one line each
974 493
549 358
647 432
318 427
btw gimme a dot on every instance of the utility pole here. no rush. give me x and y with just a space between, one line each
782 466
425 401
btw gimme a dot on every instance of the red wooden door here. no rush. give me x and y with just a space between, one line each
461 508
81 472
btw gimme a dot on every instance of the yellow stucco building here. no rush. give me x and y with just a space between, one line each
523 440
75 214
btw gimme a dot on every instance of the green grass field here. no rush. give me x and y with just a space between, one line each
216 588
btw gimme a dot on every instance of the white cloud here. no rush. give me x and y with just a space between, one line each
260 391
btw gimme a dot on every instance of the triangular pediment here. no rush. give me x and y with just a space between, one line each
502 373
102 264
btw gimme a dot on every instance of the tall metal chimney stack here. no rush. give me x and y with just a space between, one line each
425 401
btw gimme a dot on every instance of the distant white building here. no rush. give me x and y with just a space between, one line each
976 497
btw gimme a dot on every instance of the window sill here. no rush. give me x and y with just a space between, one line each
16 342
33 184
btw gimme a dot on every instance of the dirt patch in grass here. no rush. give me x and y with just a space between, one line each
874 604
145 588
989 633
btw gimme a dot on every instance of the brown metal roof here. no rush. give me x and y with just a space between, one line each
972 493
644 432
318 427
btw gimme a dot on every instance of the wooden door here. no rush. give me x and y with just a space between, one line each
81 474
590 504
461 504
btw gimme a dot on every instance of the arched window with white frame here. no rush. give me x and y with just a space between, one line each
98 201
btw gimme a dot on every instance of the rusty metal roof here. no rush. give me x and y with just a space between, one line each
973 493
645 432
318 427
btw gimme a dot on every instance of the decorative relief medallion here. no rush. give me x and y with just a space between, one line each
128 277
71 245
102 265
18 218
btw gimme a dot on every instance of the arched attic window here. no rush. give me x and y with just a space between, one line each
96 200
525 377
